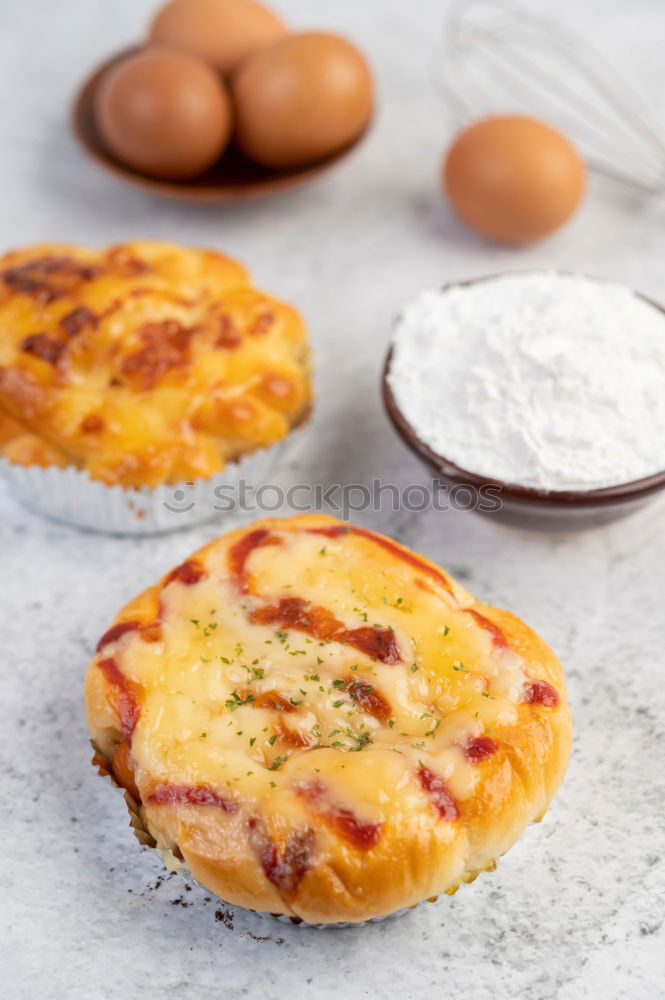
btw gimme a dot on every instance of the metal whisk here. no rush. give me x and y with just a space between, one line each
497 57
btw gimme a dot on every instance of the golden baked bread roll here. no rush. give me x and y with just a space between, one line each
320 723
144 364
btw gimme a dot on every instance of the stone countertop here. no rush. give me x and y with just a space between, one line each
575 909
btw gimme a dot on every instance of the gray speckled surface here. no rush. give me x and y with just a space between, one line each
575 909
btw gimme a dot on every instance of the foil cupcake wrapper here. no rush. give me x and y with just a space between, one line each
341 924
71 497
176 865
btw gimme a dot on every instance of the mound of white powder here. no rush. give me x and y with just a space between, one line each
540 379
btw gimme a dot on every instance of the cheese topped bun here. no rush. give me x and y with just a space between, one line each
145 363
322 724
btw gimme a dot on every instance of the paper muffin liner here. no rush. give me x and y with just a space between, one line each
175 864
69 495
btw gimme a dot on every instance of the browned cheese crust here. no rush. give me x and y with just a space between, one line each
143 364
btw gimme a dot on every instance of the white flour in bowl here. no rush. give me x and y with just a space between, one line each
540 379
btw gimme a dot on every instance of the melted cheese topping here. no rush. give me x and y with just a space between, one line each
261 681
145 363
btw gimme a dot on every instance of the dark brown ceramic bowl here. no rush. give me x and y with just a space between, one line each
232 178
523 506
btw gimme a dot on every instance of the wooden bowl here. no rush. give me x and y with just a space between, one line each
526 507
232 178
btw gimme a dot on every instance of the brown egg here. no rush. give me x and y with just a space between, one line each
513 178
163 112
223 32
301 99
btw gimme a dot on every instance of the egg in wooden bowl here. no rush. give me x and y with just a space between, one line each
301 99
163 113
221 32
224 103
